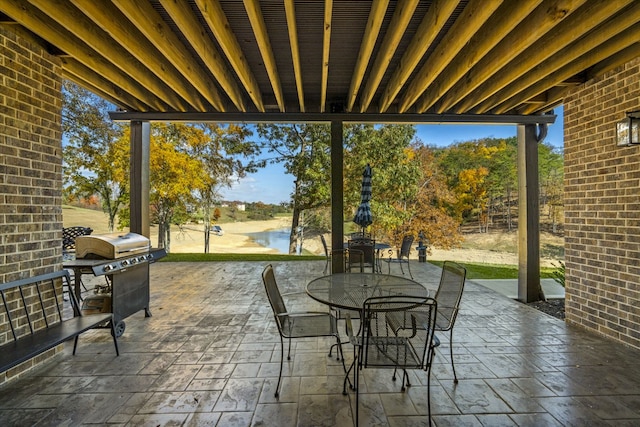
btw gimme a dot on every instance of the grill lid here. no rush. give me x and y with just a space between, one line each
111 246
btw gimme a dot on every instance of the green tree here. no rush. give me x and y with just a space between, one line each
219 149
387 149
95 154
304 150
503 177
551 170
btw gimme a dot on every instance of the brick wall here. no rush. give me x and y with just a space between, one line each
30 162
602 207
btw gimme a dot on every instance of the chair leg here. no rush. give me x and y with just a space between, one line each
281 364
409 268
455 378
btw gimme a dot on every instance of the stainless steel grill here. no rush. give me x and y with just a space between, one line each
124 259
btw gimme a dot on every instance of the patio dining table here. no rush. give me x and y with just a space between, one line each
348 291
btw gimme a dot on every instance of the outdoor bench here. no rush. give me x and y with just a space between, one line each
32 322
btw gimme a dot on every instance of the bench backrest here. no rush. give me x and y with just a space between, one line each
33 303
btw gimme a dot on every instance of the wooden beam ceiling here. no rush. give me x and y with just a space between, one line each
326 56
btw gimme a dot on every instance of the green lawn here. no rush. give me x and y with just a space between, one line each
474 271
492 271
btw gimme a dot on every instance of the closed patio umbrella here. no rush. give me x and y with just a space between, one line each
363 216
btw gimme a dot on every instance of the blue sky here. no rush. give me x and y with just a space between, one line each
272 185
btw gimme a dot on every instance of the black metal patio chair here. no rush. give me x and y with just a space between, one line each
291 325
402 255
448 296
378 346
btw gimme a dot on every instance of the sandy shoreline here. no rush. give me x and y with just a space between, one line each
190 238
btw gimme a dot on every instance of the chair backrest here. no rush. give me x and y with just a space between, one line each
403 309
405 248
69 235
449 294
365 249
275 298
324 245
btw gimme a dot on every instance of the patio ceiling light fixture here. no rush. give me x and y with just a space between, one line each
627 131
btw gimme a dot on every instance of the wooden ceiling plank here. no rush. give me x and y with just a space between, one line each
497 27
292 28
374 22
326 47
111 20
549 14
433 21
401 17
614 45
264 44
191 28
474 15
33 19
149 22
219 25
570 30
94 82
572 51
85 29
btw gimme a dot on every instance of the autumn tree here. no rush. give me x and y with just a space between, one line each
466 166
433 209
95 154
174 176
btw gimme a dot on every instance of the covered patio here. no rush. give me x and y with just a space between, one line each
209 355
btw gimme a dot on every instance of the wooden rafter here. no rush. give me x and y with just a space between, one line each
94 82
573 51
401 17
557 94
546 16
31 17
376 16
614 45
144 17
474 15
431 24
84 28
183 16
262 37
219 25
570 30
112 21
290 10
326 47
497 27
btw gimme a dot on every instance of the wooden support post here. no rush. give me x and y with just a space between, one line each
139 182
337 197
529 288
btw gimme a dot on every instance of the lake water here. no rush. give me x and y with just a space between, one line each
275 239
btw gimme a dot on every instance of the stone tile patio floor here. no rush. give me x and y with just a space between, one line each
209 356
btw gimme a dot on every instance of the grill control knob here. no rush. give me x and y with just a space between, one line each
133 261
108 267
125 262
